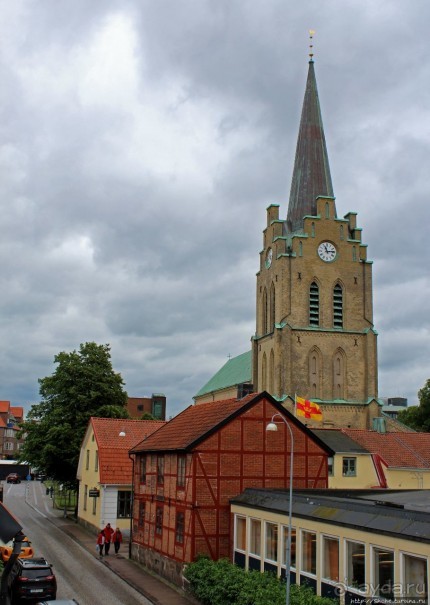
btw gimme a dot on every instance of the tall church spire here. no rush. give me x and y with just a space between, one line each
311 175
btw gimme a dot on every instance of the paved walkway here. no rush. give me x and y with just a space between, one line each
151 586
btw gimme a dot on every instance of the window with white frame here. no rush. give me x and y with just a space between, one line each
271 541
383 573
240 539
9 433
284 545
255 537
349 467
8 446
415 579
330 558
355 565
309 552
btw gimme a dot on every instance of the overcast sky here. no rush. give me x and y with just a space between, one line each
140 144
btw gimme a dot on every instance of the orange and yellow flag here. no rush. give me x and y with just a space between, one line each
308 409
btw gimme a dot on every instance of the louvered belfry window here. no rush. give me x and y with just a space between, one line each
314 305
338 306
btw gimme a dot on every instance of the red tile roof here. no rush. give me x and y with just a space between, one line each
18 412
398 450
4 406
193 424
114 464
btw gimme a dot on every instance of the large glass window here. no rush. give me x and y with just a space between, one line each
309 552
330 554
255 537
355 565
271 541
415 581
383 573
284 545
240 542
124 505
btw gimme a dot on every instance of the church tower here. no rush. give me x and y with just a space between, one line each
314 321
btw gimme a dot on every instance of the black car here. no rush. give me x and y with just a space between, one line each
32 579
13 478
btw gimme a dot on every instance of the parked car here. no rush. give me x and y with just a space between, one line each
13 478
26 550
32 579
59 602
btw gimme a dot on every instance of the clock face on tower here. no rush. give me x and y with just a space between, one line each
269 256
327 251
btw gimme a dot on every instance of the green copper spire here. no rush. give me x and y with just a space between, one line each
311 175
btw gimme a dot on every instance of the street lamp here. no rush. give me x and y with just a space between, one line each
273 426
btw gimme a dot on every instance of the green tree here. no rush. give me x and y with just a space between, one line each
418 416
84 384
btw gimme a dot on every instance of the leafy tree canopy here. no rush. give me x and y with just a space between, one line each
84 384
418 416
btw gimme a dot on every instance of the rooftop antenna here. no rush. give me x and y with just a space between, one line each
311 46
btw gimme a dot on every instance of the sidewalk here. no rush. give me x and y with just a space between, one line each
152 587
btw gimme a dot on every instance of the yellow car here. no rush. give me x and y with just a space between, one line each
26 550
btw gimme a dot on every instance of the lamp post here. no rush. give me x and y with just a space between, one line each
273 426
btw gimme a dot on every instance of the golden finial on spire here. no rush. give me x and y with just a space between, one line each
311 46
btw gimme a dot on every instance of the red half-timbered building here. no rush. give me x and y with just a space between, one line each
186 472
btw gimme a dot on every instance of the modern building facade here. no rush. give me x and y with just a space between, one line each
359 547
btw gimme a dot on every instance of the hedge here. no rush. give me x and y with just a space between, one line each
223 583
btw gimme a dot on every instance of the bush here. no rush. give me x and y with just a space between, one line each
223 583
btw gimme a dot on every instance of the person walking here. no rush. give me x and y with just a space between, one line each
108 537
117 539
101 542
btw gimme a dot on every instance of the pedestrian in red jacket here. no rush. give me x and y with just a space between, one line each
108 537
117 539
101 542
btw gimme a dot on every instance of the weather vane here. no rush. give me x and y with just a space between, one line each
311 46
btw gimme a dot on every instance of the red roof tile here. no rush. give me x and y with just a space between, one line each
192 424
114 464
399 450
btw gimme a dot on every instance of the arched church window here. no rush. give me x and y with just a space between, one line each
338 306
272 373
354 254
314 304
264 313
300 248
272 308
327 210
264 373
341 232
339 372
315 364
313 230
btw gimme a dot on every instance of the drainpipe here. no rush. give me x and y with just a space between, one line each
131 506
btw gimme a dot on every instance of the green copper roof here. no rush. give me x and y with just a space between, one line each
311 174
236 371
